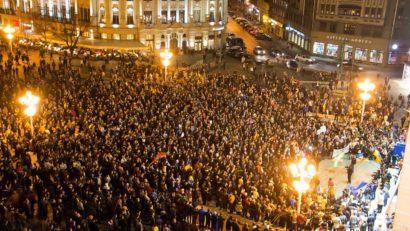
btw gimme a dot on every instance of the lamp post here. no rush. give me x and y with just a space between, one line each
299 171
30 101
365 87
166 56
9 31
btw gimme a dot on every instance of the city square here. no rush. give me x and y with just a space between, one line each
204 115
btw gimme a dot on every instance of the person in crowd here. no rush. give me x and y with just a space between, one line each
115 146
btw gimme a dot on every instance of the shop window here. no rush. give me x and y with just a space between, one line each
376 56
104 35
116 36
130 37
318 48
360 54
331 50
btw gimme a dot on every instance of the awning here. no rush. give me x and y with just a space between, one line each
111 44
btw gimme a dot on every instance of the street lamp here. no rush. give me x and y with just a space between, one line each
365 87
299 171
30 101
166 56
9 31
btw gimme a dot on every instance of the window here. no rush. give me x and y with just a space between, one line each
130 37
164 17
147 17
104 35
318 48
379 13
130 16
376 56
173 16
116 36
197 15
182 16
349 29
333 9
333 27
331 50
322 8
102 15
360 54
373 12
366 12
115 16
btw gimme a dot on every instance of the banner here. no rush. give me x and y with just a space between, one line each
340 152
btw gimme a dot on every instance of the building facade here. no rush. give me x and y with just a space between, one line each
355 30
298 24
400 43
173 24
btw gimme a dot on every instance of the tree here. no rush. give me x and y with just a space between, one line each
41 24
71 30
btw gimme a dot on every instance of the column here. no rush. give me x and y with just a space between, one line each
50 7
186 13
138 12
59 15
107 7
177 17
42 7
159 10
75 6
168 11
191 11
122 12
67 8
207 11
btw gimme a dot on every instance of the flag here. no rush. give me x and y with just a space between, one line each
159 156
377 155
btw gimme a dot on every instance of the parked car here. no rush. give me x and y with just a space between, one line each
261 58
304 59
348 65
232 51
263 36
258 50
275 52
292 64
283 58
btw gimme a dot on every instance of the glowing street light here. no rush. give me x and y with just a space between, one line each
299 171
9 31
166 56
365 87
30 101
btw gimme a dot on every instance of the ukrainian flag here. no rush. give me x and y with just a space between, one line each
377 155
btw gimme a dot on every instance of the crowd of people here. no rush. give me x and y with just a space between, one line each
118 150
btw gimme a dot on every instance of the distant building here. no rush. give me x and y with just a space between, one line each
189 24
356 30
400 43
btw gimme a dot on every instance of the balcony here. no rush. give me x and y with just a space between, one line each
351 19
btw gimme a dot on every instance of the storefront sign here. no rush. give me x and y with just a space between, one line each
354 40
